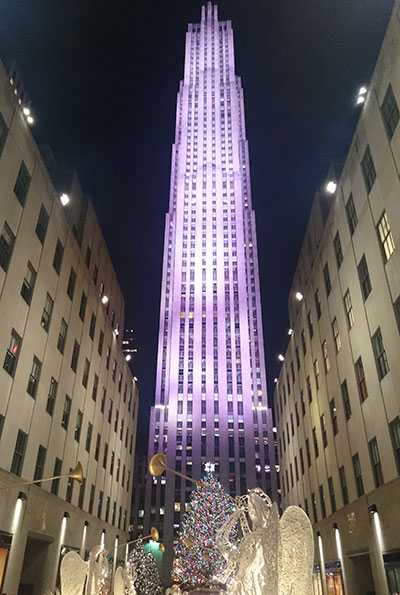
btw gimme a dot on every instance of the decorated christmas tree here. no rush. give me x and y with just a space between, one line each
197 558
143 568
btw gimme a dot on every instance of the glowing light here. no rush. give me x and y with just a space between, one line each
339 546
321 556
17 514
275 381
115 553
281 357
209 467
331 187
26 111
135 379
64 199
299 296
362 90
128 357
102 539
104 299
378 530
360 100
63 529
30 120
83 542
290 332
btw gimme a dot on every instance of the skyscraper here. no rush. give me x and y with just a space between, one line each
211 396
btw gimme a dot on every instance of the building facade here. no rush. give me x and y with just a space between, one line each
336 399
67 394
211 396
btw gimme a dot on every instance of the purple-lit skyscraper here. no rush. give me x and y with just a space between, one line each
211 397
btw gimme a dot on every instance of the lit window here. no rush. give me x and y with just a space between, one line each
385 237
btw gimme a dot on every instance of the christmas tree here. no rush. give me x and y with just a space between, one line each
197 558
143 569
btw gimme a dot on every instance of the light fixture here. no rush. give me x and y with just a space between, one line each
66 515
275 381
331 186
128 357
64 199
362 90
362 95
372 509
30 120
299 296
26 111
281 358
135 379
290 332
104 299
360 99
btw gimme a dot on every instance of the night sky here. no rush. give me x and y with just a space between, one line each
102 78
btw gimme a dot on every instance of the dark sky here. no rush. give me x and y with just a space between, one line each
103 77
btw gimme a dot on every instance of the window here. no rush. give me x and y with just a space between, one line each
316 373
351 214
58 257
375 462
310 325
308 452
95 387
324 433
381 360
42 223
343 485
361 382
303 343
317 304
363 275
390 112
333 412
86 370
55 484
7 240
394 428
19 453
325 354
358 475
82 307
71 284
101 342
348 306
91 499
66 412
81 497
34 377
62 336
385 237
3 133
12 353
78 426
28 284
322 501
368 169
100 504
40 462
327 279
88 256
75 356
70 488
52 395
105 456
22 184
47 312
2 419
315 442
92 327
97 449
332 496
89 437
336 335
346 399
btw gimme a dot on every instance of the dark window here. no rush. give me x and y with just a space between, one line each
40 462
81 497
3 133
358 475
22 184
332 496
308 453
314 507
51 397
103 401
315 442
105 456
34 377
66 412
298 357
75 356
2 419
58 257
394 427
71 284
346 399
42 223
303 343
390 111
100 504
28 284
368 169
97 449
348 306
92 327
62 336
310 324
333 412
95 387
327 279
338 250
95 274
78 426
89 437
301 461
82 307
381 360
351 214
86 370
19 453
343 485
55 484
375 462
363 275
7 240
322 501
47 312
88 256
361 382
317 304
101 341
12 353
309 391
324 433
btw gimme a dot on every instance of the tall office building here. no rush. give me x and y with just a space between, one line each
67 393
211 396
337 396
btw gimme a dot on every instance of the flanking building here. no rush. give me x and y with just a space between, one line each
337 396
66 392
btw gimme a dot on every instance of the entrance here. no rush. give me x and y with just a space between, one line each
5 544
33 566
